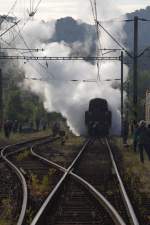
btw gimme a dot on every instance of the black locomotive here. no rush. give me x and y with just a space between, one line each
98 118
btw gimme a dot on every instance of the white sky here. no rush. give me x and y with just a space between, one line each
52 9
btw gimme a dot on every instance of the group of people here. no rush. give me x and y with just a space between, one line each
13 126
141 137
10 126
57 130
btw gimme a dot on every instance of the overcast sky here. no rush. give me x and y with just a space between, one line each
52 9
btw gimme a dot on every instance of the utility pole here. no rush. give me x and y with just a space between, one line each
1 100
122 108
135 70
1 92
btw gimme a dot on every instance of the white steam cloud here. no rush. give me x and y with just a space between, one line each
71 99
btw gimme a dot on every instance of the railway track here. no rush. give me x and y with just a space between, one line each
96 167
13 189
99 168
10 194
72 198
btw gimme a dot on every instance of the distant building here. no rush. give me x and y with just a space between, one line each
147 106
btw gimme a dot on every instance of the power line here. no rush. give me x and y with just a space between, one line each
5 17
33 10
72 80
116 21
36 8
114 39
143 19
25 43
123 20
98 38
22 55
98 48
23 49
145 50
16 23
48 58
19 33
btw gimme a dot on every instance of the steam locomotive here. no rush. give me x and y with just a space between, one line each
98 118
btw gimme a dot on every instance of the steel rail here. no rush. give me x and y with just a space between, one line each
126 199
101 199
24 186
96 194
38 140
4 155
62 169
56 188
26 143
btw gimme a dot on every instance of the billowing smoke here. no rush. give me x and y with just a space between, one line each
56 89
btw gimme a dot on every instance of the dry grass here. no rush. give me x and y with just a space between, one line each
70 141
134 167
7 209
41 187
23 155
137 179
19 137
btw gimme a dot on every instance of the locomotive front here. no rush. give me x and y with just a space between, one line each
98 118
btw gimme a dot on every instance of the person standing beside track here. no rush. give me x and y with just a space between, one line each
135 136
143 140
56 128
7 128
125 131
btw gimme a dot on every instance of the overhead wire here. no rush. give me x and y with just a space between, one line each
95 19
5 17
21 29
114 39
23 55
33 9
16 23
19 33
98 41
98 44
71 80
26 45
116 21
36 8
23 49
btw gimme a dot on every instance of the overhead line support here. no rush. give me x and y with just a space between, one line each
122 103
135 70
114 39
9 28
47 58
1 100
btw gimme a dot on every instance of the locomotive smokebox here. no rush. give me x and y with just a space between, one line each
98 118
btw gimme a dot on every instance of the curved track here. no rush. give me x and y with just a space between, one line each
14 187
10 194
100 208
81 202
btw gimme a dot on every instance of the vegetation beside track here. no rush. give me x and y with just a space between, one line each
136 176
63 151
19 137
40 187
7 217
